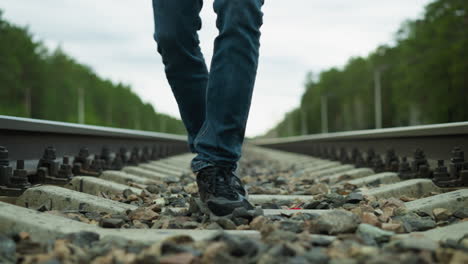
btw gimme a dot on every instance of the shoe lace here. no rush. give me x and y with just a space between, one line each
219 181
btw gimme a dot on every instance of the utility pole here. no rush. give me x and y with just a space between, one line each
81 106
290 126
163 124
303 121
378 97
28 102
324 112
109 114
137 119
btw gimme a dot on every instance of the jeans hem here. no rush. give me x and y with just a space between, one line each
199 165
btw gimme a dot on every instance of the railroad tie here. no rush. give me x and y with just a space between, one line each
332 203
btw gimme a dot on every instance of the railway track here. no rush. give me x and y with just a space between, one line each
81 194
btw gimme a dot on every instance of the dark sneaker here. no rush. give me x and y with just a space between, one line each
221 190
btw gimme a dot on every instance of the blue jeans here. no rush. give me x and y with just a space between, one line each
214 105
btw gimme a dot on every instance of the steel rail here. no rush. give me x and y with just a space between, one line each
26 139
437 141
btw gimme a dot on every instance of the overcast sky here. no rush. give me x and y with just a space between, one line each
114 37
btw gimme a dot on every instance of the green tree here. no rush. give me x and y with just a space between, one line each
37 83
424 79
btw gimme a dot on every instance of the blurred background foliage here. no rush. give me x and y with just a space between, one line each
423 76
43 84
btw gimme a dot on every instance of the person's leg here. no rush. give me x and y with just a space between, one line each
176 25
231 81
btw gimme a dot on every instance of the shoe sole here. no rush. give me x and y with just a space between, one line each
225 209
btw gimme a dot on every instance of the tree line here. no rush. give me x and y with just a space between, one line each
423 79
38 83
